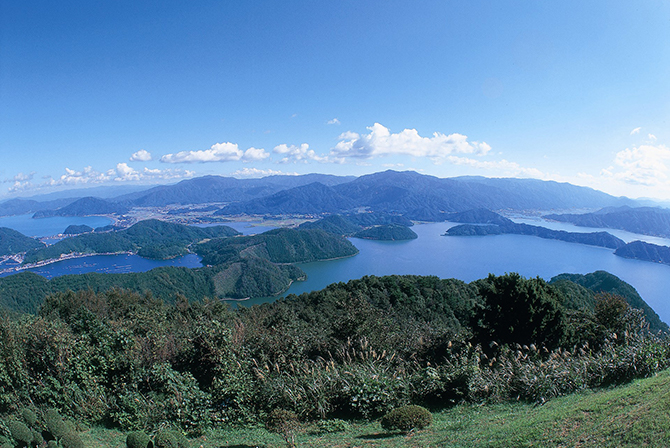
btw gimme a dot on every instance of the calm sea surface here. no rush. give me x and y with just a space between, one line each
50 226
465 258
472 257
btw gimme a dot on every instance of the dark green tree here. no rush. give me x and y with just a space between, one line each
519 310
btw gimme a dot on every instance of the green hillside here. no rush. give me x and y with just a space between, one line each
13 242
150 239
388 232
278 246
351 351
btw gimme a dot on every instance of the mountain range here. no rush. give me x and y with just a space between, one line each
652 221
409 194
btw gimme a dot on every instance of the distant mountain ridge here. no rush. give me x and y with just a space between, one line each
426 198
652 221
85 207
409 194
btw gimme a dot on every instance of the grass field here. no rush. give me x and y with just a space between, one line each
633 415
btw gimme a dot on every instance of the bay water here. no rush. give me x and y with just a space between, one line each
463 257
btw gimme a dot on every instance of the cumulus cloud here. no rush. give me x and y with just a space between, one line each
255 172
302 153
642 165
502 167
635 131
334 121
141 156
219 152
20 182
381 142
121 173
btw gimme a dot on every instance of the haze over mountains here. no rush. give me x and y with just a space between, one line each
410 194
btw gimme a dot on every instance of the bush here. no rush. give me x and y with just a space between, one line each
55 423
170 439
71 440
21 433
137 439
331 426
29 417
407 418
284 423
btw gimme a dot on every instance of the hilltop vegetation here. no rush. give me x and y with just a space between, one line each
278 246
353 350
240 267
387 232
150 239
13 242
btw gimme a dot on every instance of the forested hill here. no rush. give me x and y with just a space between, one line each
353 350
13 242
278 246
391 226
85 207
240 267
644 220
409 194
604 282
425 198
486 222
150 238
387 232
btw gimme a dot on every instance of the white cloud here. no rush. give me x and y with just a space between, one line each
141 156
334 121
652 138
219 152
121 173
381 142
635 131
255 172
21 177
300 153
502 167
642 165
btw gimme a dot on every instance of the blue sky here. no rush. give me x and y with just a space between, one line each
98 93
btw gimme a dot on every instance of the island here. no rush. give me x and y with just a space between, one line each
481 226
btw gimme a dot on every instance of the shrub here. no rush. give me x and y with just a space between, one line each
284 423
71 440
331 426
170 439
29 417
52 444
407 418
55 423
21 433
137 439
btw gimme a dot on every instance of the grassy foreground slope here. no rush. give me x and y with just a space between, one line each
632 415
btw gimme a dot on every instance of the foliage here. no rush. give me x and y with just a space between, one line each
332 426
284 423
21 432
354 350
407 418
71 440
137 439
13 242
387 232
152 238
519 310
278 246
